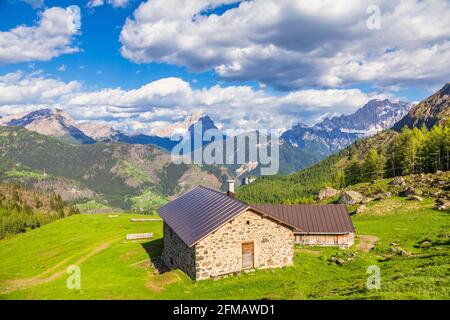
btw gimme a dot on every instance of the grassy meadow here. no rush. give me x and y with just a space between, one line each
33 265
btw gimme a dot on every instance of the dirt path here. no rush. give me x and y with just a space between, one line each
52 273
366 242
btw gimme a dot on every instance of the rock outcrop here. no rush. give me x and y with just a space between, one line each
351 197
327 193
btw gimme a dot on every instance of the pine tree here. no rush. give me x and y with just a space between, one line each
373 167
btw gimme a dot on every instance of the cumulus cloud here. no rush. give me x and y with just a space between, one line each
21 89
155 105
114 3
290 44
52 36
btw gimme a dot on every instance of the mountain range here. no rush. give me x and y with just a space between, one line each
333 170
48 151
331 135
300 146
55 123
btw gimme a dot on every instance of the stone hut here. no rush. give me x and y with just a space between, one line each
208 233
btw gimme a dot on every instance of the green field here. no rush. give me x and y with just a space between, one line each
33 265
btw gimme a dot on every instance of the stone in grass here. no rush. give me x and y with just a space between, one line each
409 191
442 204
366 200
327 193
426 244
415 198
350 198
361 209
398 181
383 195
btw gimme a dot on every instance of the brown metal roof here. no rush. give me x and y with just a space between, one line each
199 212
327 219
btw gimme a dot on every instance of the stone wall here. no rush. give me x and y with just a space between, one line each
176 254
221 252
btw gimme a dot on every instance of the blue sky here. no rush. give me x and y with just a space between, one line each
239 62
100 64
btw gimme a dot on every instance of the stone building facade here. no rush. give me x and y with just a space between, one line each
208 233
176 253
221 252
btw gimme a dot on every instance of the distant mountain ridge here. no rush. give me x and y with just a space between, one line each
49 122
333 170
331 135
300 146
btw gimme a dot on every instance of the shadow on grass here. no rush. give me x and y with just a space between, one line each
154 251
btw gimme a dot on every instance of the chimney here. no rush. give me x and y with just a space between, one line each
230 188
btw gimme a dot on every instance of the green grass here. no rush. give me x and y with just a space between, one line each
146 202
92 206
27 174
118 272
133 171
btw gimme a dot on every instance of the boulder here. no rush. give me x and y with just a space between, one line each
350 198
327 193
398 181
409 191
426 244
415 198
366 200
442 204
361 209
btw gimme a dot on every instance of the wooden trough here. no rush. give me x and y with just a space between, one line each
144 219
138 236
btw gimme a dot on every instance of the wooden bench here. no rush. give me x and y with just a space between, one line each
144 219
137 236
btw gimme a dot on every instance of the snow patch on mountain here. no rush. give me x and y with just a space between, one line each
340 131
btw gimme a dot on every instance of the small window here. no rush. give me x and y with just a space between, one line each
248 222
171 233
171 261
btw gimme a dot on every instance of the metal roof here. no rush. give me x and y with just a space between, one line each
199 212
325 219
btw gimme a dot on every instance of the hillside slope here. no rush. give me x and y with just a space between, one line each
22 209
399 153
113 268
110 172
433 110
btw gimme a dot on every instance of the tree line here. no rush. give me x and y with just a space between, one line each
22 209
412 151
417 150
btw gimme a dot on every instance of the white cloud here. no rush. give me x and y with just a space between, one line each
293 43
153 106
51 37
62 68
114 3
17 88
34 3
95 3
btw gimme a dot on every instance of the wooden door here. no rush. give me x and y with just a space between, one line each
247 255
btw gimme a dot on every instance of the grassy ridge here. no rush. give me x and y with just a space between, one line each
120 265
